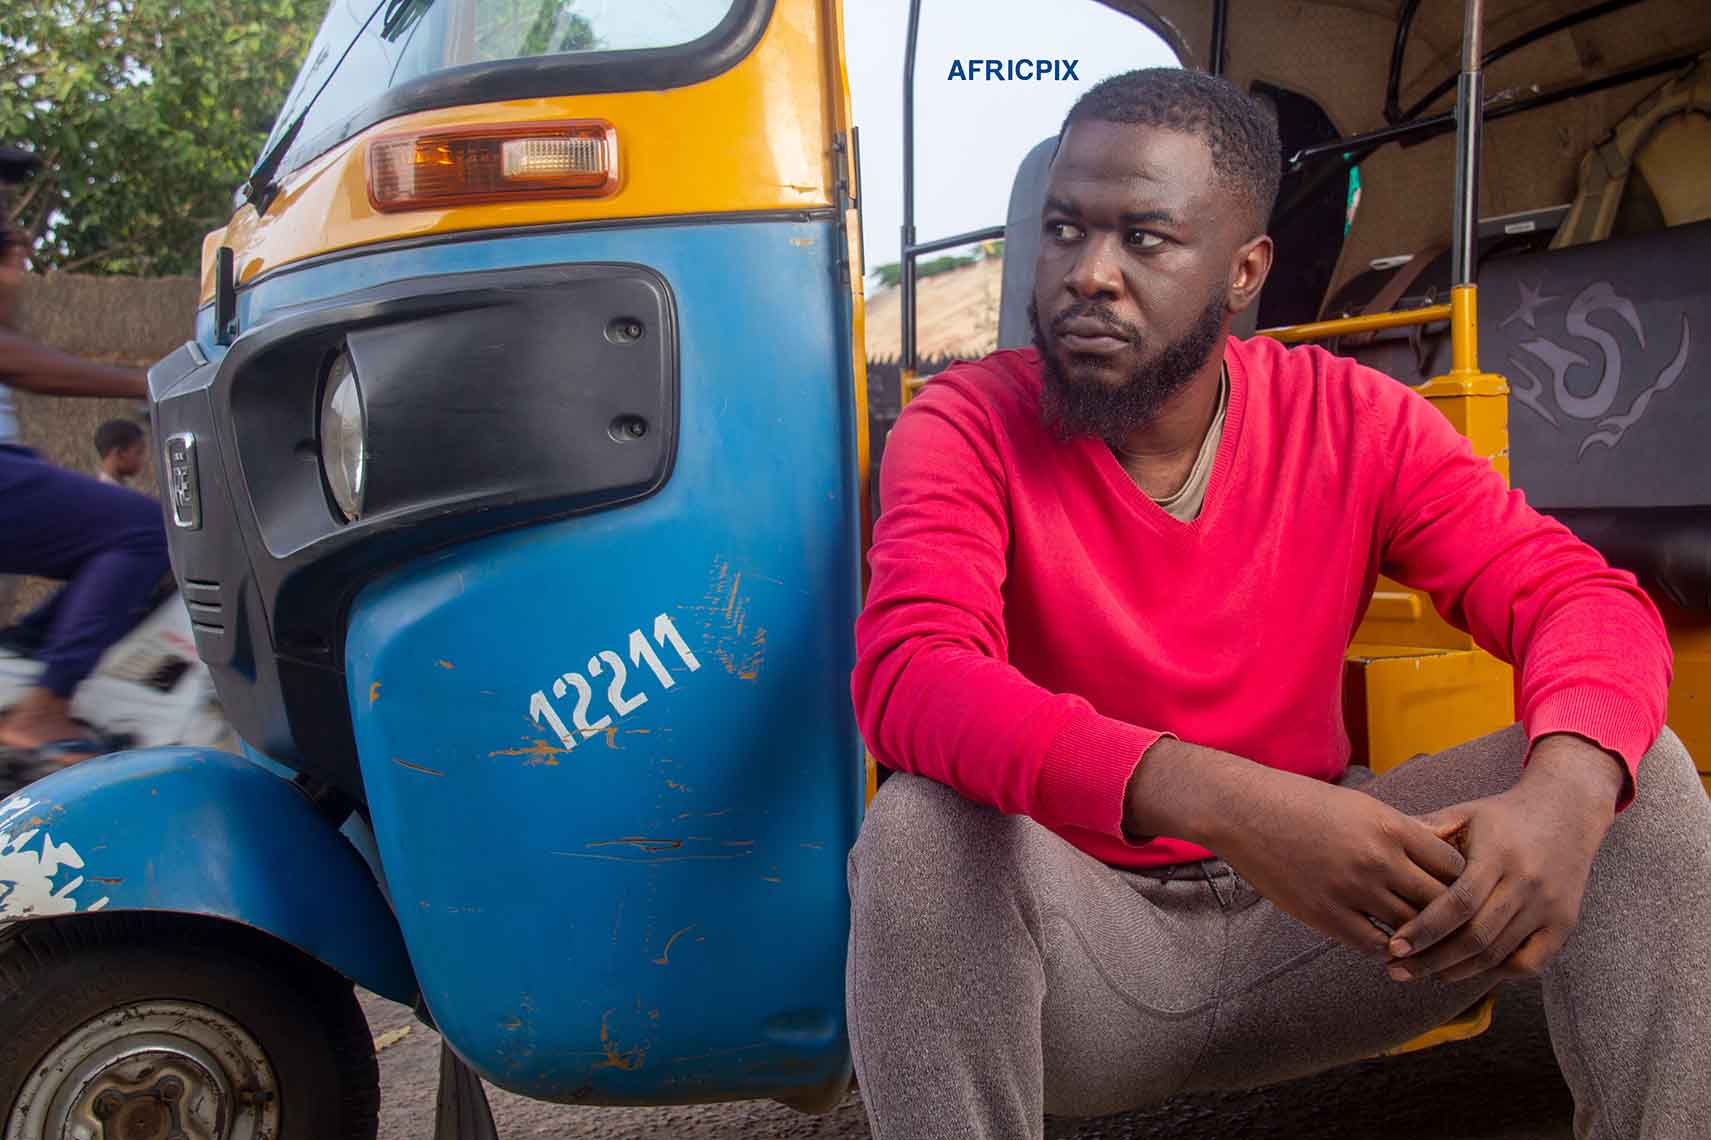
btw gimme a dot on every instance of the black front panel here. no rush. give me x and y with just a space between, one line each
492 400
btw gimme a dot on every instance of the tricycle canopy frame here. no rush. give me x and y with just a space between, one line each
1421 119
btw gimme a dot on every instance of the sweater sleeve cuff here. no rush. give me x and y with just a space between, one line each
1606 719
1085 772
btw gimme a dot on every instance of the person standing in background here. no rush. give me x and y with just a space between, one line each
123 448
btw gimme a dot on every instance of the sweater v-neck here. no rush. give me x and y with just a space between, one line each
1121 485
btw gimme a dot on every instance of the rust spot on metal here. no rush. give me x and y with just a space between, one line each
640 843
108 882
724 622
416 767
626 1060
771 879
612 738
374 692
649 859
444 664
737 843
677 787
539 752
664 958
745 663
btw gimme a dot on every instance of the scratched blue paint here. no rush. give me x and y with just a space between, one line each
198 831
659 915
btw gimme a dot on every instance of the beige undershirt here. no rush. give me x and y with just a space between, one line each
1184 503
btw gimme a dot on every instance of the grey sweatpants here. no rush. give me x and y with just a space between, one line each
996 973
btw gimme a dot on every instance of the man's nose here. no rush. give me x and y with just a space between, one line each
1096 271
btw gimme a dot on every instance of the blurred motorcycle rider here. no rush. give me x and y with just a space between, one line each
106 543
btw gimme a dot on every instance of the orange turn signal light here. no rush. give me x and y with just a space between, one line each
493 163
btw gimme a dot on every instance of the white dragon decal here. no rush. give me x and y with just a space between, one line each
34 879
1558 361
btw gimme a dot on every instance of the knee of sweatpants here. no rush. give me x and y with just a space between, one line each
926 857
1670 807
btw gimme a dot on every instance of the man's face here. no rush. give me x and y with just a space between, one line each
1132 287
128 460
11 260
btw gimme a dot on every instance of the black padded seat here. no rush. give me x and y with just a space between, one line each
1667 548
1607 349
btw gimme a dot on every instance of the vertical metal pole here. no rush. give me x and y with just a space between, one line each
1470 111
1220 36
1464 225
906 263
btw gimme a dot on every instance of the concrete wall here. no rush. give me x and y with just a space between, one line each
118 320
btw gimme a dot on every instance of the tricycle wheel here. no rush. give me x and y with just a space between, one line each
166 1027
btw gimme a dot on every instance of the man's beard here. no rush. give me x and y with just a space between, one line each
1073 408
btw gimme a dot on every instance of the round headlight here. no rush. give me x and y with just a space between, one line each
344 448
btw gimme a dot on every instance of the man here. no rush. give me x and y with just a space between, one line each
107 544
122 446
1124 855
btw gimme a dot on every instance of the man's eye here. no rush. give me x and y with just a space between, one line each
1145 239
1063 231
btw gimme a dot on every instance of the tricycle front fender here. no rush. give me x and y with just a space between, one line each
197 831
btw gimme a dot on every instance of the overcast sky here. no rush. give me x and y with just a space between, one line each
970 135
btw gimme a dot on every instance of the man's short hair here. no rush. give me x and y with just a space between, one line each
114 434
1239 131
15 165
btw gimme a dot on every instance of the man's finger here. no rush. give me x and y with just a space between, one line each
1357 932
1492 952
1411 881
1534 955
1431 852
1447 913
1393 910
1446 823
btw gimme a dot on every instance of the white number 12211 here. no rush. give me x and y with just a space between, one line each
542 711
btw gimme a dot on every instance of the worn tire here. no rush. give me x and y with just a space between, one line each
58 975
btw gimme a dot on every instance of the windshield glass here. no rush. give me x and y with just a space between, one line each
366 48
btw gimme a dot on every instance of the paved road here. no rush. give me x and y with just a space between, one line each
1501 1086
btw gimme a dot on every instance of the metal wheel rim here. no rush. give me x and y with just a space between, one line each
158 1070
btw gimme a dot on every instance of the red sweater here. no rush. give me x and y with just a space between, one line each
1035 622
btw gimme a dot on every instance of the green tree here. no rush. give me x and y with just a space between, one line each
891 272
147 114
940 265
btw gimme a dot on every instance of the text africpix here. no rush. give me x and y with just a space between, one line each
1005 70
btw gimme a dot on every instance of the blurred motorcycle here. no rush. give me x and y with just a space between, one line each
149 690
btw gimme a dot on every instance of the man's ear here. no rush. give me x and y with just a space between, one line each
1248 271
